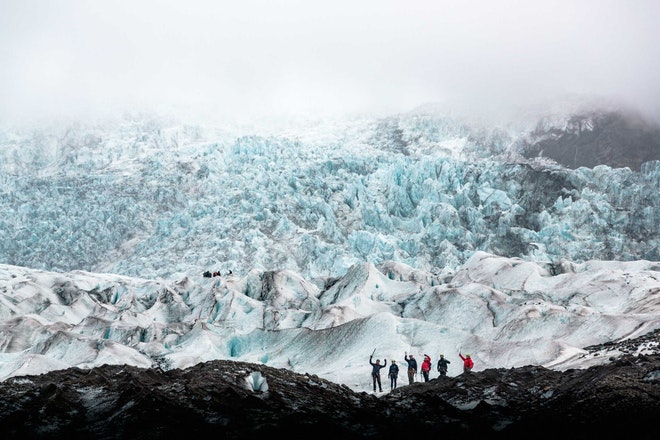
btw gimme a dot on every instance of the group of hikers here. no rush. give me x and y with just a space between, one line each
208 274
393 373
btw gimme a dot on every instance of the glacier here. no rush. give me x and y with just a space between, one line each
153 197
506 311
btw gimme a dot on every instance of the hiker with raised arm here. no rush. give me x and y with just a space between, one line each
468 365
375 372
412 367
426 367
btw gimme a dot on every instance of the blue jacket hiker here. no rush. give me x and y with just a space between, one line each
375 372
393 374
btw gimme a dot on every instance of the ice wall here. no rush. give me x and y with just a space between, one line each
153 198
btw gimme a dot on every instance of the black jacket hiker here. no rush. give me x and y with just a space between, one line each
375 372
442 365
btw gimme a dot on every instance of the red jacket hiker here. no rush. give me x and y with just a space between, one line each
467 363
426 367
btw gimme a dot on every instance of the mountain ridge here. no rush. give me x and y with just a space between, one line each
614 138
224 398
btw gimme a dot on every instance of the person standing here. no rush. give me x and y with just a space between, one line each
393 374
375 372
412 367
426 367
467 362
442 365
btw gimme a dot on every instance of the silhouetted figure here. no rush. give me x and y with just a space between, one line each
442 365
375 372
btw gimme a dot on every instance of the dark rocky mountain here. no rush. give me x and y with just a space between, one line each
612 138
226 399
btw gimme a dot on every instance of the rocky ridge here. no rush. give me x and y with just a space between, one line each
241 400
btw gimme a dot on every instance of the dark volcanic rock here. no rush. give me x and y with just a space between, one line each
215 398
610 138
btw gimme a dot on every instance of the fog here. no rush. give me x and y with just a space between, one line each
278 57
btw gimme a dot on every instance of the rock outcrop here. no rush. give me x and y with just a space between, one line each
221 399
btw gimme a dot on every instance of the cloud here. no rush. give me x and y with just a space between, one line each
261 57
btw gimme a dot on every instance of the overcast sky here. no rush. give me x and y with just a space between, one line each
262 57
